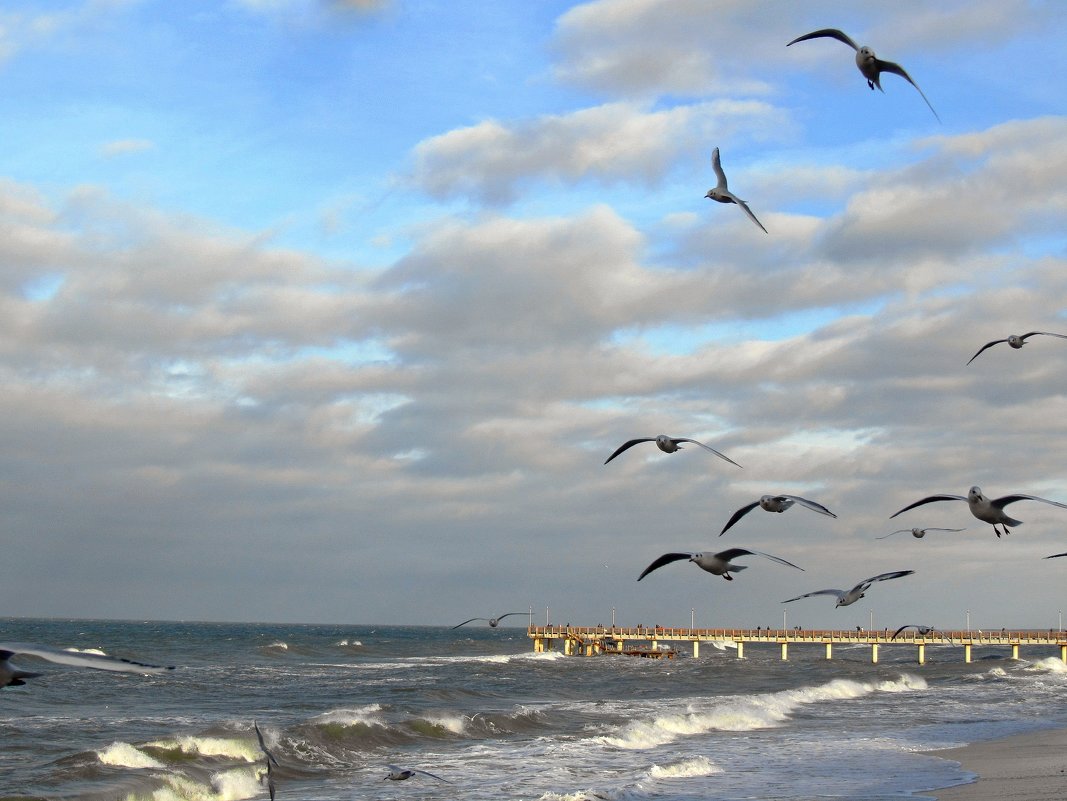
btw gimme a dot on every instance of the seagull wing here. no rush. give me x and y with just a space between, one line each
1056 554
919 628
832 33
1046 333
707 448
744 510
835 593
896 69
666 559
465 622
1000 503
434 775
930 499
986 346
263 746
747 211
719 174
815 507
61 657
891 533
507 614
863 585
627 445
733 553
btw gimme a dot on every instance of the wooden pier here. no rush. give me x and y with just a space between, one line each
603 640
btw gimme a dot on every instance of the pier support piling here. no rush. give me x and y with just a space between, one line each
967 652
922 653
874 653
785 652
829 650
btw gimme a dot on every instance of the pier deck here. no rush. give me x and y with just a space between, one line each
597 640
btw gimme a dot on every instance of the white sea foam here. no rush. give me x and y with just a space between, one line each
1051 664
349 643
233 748
355 716
457 724
697 766
230 785
746 712
95 651
125 755
280 645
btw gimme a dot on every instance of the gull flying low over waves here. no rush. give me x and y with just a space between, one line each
10 675
493 621
1014 340
271 761
722 194
985 509
400 774
851 596
715 563
869 65
918 533
776 503
921 630
667 445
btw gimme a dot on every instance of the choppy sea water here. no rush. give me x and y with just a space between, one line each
477 707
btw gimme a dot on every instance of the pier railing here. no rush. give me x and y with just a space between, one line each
594 640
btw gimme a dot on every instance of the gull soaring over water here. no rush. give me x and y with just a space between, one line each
667 445
776 503
985 509
12 676
921 630
918 533
271 761
869 65
717 564
493 621
844 598
401 774
1015 341
722 194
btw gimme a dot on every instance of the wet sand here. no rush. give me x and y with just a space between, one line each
1027 767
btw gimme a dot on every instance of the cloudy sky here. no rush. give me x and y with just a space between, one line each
332 310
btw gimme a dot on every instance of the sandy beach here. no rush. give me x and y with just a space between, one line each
1027 767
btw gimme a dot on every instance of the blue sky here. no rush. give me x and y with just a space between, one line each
328 311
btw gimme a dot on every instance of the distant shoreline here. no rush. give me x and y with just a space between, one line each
1023 767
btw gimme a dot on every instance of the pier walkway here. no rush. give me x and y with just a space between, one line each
652 640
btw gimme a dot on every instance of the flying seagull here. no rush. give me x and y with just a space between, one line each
715 563
1014 340
493 621
851 596
10 675
667 445
918 533
400 774
870 65
986 510
271 761
723 195
776 503
922 631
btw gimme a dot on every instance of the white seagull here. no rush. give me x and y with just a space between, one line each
722 194
851 596
869 65
400 774
985 509
271 761
776 503
667 445
715 563
921 630
918 533
1014 340
493 621
12 676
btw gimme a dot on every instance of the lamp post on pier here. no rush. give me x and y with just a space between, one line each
968 621
693 618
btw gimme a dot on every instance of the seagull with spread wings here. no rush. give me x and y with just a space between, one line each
846 597
776 503
493 621
868 63
718 564
271 761
988 510
722 194
12 676
1015 341
921 630
400 774
918 533
667 445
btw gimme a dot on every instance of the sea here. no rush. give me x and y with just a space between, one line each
491 719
